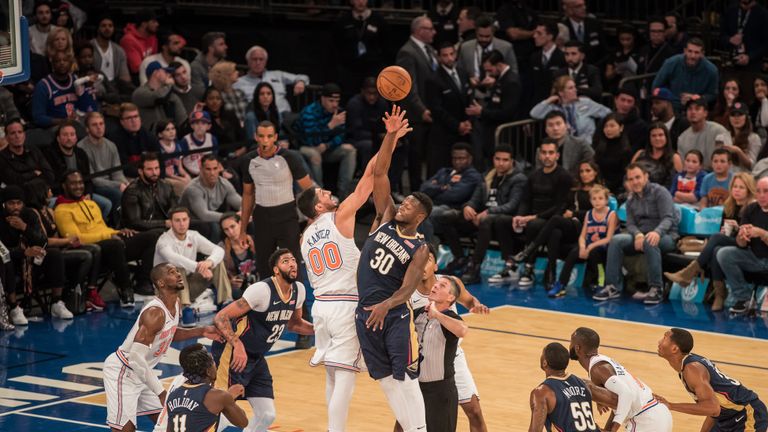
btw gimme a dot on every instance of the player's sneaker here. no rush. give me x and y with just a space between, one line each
739 307
17 316
655 296
557 290
607 293
507 275
94 302
59 310
472 274
526 280
126 301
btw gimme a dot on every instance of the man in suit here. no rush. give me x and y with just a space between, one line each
545 61
420 60
501 104
586 76
444 14
467 22
447 98
471 54
585 29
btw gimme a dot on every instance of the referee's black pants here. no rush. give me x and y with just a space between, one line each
275 227
441 404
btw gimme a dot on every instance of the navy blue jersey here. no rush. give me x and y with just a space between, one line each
573 407
383 261
187 412
730 393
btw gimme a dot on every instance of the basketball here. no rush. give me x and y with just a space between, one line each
393 83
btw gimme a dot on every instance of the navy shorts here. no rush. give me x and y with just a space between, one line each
393 350
752 418
256 377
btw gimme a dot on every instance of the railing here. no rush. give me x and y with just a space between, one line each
524 136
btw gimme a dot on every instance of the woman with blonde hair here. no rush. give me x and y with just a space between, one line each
59 40
580 112
741 193
222 76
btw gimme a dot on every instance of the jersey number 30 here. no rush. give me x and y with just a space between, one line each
382 261
582 416
329 257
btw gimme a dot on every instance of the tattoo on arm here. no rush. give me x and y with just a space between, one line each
222 319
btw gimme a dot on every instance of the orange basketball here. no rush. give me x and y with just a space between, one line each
393 83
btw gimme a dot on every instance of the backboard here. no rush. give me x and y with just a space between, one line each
14 43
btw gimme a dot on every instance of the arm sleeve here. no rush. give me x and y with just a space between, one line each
699 182
673 186
514 198
632 228
458 193
212 251
131 213
301 295
40 105
295 164
234 200
541 109
145 97
138 359
625 398
666 211
290 78
198 205
166 253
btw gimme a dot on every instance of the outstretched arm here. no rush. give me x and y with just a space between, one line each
397 126
697 378
345 214
469 301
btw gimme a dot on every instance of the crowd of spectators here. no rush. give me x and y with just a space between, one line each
123 147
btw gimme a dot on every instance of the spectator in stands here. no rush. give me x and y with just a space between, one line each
264 108
76 215
139 39
171 45
742 36
20 163
651 230
102 89
447 98
661 161
170 148
580 112
257 72
420 60
451 186
750 253
444 14
759 109
155 99
746 144
268 194
657 50
626 60
612 152
626 103
676 35
148 199
586 76
39 31
225 125
221 77
180 246
729 94
545 61
573 150
109 57
23 236
585 28
213 50
361 38
182 86
686 185
500 105
714 187
493 204
466 23
209 196
322 126
58 97
8 110
364 127
689 75
132 139
62 18
545 196
199 138
239 259
742 193
663 111
102 156
702 135
59 41
472 52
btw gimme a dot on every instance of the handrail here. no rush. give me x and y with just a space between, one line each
636 78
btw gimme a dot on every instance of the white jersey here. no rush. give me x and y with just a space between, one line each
331 259
642 396
162 340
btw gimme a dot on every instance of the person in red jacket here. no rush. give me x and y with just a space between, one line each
140 40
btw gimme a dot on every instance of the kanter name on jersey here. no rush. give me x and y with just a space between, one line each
317 236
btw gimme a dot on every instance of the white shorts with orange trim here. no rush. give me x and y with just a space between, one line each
654 417
127 396
336 343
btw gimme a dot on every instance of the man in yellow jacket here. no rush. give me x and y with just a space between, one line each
77 215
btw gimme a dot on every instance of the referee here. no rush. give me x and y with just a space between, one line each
268 174
439 328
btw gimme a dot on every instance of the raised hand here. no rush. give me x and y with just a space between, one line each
395 120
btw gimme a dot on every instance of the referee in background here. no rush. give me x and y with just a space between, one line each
439 329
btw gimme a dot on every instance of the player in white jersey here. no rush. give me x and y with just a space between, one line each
637 410
331 256
469 398
130 383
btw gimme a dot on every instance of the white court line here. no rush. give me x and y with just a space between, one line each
47 382
64 420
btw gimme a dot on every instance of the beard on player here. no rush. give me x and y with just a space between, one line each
572 354
289 276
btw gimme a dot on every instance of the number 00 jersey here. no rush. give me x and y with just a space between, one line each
383 261
573 407
730 393
331 258
187 412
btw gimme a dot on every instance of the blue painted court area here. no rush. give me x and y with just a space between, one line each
45 367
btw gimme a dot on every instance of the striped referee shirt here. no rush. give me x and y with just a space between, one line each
273 177
437 347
